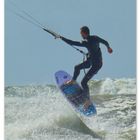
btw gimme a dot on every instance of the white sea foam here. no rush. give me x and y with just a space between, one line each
40 112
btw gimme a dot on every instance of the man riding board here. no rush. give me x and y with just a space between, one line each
94 59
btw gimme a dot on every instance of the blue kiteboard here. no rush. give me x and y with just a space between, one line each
74 94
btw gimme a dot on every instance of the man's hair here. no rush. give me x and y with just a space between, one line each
85 29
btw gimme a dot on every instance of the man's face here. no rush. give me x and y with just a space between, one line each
84 35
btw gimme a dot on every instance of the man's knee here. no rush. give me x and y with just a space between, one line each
77 68
95 69
100 65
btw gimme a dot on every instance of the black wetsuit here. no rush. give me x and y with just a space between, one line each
94 59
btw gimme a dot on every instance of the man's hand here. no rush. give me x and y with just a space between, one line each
110 50
57 36
52 33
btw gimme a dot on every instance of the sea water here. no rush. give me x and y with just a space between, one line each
40 112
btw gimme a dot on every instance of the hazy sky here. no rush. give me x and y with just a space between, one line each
32 56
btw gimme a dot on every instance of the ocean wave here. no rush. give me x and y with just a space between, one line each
40 112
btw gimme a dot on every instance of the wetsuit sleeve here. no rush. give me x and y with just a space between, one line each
103 41
76 43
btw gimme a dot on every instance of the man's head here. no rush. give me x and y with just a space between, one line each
84 32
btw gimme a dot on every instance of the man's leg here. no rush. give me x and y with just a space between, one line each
85 64
93 70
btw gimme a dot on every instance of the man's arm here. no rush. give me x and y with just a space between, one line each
71 42
105 43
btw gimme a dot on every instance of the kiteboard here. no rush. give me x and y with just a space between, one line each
74 94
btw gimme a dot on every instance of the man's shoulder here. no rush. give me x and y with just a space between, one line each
94 37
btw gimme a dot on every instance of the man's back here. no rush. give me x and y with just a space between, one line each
92 44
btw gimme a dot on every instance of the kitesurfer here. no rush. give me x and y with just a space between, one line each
94 56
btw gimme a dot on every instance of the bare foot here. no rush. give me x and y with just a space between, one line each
69 82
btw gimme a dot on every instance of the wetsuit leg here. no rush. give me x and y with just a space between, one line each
93 70
85 64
